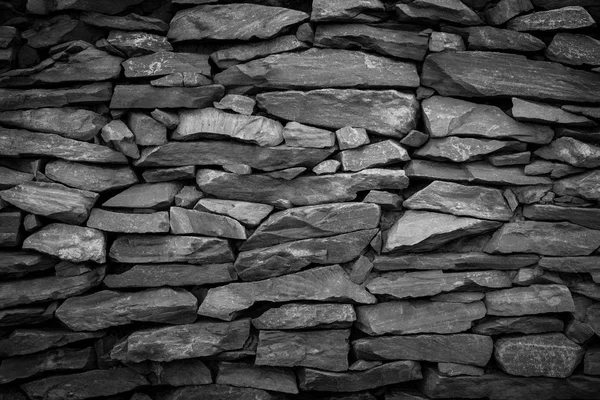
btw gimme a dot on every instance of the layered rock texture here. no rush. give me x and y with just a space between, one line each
299 199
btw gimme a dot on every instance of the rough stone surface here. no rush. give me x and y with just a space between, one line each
29 341
110 221
69 242
166 63
147 96
145 195
250 214
373 155
506 10
534 299
586 185
530 111
184 222
434 11
487 38
224 392
298 135
306 316
510 325
259 377
340 10
571 151
16 99
574 17
350 138
97 178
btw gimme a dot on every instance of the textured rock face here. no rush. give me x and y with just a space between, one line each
534 299
303 316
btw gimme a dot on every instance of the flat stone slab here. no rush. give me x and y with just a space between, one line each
96 178
433 12
386 112
571 264
156 275
588 217
378 154
248 213
324 284
166 63
534 299
342 10
118 222
298 135
28 341
224 392
574 17
16 99
571 151
130 22
102 6
586 185
185 222
158 196
133 44
305 316
148 96
487 38
260 377
458 150
510 325
574 49
482 172
533 111
16 264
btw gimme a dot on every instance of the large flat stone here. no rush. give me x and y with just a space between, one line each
345 10
487 38
147 96
409 317
453 261
586 185
156 275
588 217
130 22
101 6
110 221
533 111
248 213
302 191
29 341
482 172
386 112
321 68
158 196
435 11
16 264
223 392
566 18
571 151
574 49
97 178
166 63
451 74
304 316
324 284
510 325
571 264
293 256
456 149
534 299
185 222
378 154
252 376
16 99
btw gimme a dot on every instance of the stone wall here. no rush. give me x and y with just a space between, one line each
336 199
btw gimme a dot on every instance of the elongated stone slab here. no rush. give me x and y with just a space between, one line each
457 199
130 22
291 257
194 222
326 350
16 264
232 22
373 155
418 231
303 316
267 378
302 191
248 213
386 374
588 217
319 68
97 178
28 341
147 96
546 238
574 17
487 38
482 172
433 11
109 308
325 284
146 195
27 315
408 317
109 221
223 153
457 149
16 99
166 63
460 348
165 248
421 284
453 261
571 151
387 112
102 6
509 325
571 264
22 143
344 10
450 73
312 222
586 185
223 392
201 339
534 299
156 275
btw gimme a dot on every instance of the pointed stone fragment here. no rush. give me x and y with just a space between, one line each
324 284
327 167
16 264
434 11
571 151
117 135
492 326
28 341
91 177
250 214
286 174
344 10
457 149
530 111
534 299
586 185
165 248
147 96
171 275
574 17
166 63
223 392
259 377
203 223
304 316
373 155
159 196
169 119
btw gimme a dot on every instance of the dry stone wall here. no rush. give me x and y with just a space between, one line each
327 199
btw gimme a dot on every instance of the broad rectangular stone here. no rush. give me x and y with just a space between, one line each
166 63
96 178
11 232
588 217
16 264
303 316
534 299
147 96
281 380
156 275
487 174
510 325
158 196
110 221
453 261
16 99
373 155
186 222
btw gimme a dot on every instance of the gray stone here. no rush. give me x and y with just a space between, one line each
147 96
166 63
488 38
305 316
502 160
590 112
169 119
434 11
223 392
236 103
147 131
286 174
102 6
506 10
91 177
433 170
203 223
571 151
188 196
343 10
591 362
386 200
110 221
574 17
492 326
453 369
15 99
134 44
482 172
588 217
259 377
250 214
298 135
10 178
130 22
459 297
117 135
534 299
60 29
17 264
373 155
530 111
442 41
327 167
571 264
586 185
156 175
414 139
159 196
350 138
28 341
11 229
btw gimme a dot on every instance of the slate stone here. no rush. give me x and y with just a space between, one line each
501 160
492 326
534 299
223 392
166 63
16 99
156 275
590 112
159 196
60 29
117 135
259 377
179 79
434 170
201 339
327 167
188 196
591 362
373 155
386 374
570 264
203 223
32 315
320 68
340 10
10 178
17 264
284 258
91 177
386 200
147 131
324 284
11 229
85 384
54 360
22 143
442 41
531 111
156 175
363 365
522 355
387 112
232 22
488 38
461 348
453 369
102 6
482 172
421 284
286 174
418 231
579 332
434 11
236 103
325 350
68 122
169 119
457 199
211 123
505 10
147 96
15 293
458 297
298 135
409 317
574 17
240 53
586 185
588 217
546 238
175 373
130 22
134 44
450 73
166 248
250 214
414 139
302 191
571 151
306 316
350 138
27 341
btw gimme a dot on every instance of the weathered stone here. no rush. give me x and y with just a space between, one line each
203 223
28 341
502 160
586 185
165 248
421 284
286 174
60 29
303 316
550 354
591 362
453 369
574 17
318 68
488 38
134 44
453 198
91 177
546 238
14 293
579 332
590 112
506 10
259 377
554 4
387 112
232 22
571 264
68 122
11 228
326 350
201 339
327 167
433 170
482 172
117 135
294 256
298 135
147 96
534 299
188 196
442 41
169 174
168 119
418 231
166 63
408 317
15 99
562 170
373 155
250 214
223 392
10 178
588 217
325 284
461 348
175 373
158 196
571 151
350 138
450 73
434 11
341 10
386 200
102 6
386 374
458 297
147 131
528 325
16 264
130 22
530 111
414 139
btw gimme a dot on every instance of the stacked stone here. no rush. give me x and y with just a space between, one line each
336 199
